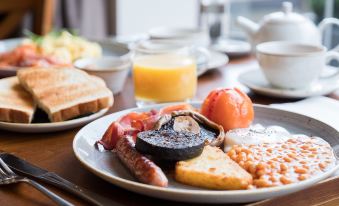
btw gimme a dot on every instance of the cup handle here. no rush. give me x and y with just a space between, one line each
326 22
329 56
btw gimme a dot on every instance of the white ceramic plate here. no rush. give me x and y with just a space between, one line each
255 80
231 47
216 60
107 166
50 127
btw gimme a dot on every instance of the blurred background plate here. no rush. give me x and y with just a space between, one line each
109 48
233 48
216 60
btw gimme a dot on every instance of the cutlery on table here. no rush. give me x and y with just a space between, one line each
31 170
7 176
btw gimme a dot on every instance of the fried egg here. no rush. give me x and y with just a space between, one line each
256 134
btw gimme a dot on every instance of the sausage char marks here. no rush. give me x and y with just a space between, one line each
144 169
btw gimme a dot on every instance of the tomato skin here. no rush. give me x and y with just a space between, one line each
230 108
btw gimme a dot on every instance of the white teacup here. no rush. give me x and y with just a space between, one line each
291 65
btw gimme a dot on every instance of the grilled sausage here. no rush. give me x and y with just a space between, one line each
143 169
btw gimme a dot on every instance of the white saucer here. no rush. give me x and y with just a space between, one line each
216 60
231 47
255 80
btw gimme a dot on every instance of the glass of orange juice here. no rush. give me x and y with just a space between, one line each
163 72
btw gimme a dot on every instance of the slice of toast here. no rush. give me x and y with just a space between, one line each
16 105
65 93
213 169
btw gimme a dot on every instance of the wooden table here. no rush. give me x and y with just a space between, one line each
53 151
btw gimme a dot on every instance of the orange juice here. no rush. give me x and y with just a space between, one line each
164 77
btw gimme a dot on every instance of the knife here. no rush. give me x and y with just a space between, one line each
31 170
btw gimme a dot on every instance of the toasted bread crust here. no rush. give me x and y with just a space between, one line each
65 93
16 105
81 109
14 116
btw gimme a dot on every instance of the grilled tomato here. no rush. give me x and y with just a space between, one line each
230 108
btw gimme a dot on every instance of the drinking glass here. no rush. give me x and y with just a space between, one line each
163 72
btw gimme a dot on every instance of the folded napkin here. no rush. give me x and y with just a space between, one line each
322 108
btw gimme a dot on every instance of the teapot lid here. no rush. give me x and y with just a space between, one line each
285 16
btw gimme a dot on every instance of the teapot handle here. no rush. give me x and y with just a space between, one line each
326 22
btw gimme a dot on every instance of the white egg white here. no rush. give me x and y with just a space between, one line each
256 134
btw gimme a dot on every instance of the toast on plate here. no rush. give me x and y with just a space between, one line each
213 169
65 93
16 105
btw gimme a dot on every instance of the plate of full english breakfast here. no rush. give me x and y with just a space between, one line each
221 150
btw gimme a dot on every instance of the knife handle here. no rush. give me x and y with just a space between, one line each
60 201
85 194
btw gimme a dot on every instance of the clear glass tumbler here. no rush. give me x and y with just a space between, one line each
163 72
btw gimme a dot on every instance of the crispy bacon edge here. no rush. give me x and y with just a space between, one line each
135 122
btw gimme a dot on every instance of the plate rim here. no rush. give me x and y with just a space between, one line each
54 124
281 93
121 182
208 66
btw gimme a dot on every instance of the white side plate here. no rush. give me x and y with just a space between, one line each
51 127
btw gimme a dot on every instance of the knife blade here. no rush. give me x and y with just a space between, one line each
31 170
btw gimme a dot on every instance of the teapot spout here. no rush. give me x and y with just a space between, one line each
248 26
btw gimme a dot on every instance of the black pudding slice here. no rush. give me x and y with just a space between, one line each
205 132
169 144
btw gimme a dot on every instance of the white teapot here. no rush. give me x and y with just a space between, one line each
285 26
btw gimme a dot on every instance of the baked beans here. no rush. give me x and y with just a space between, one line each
273 164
